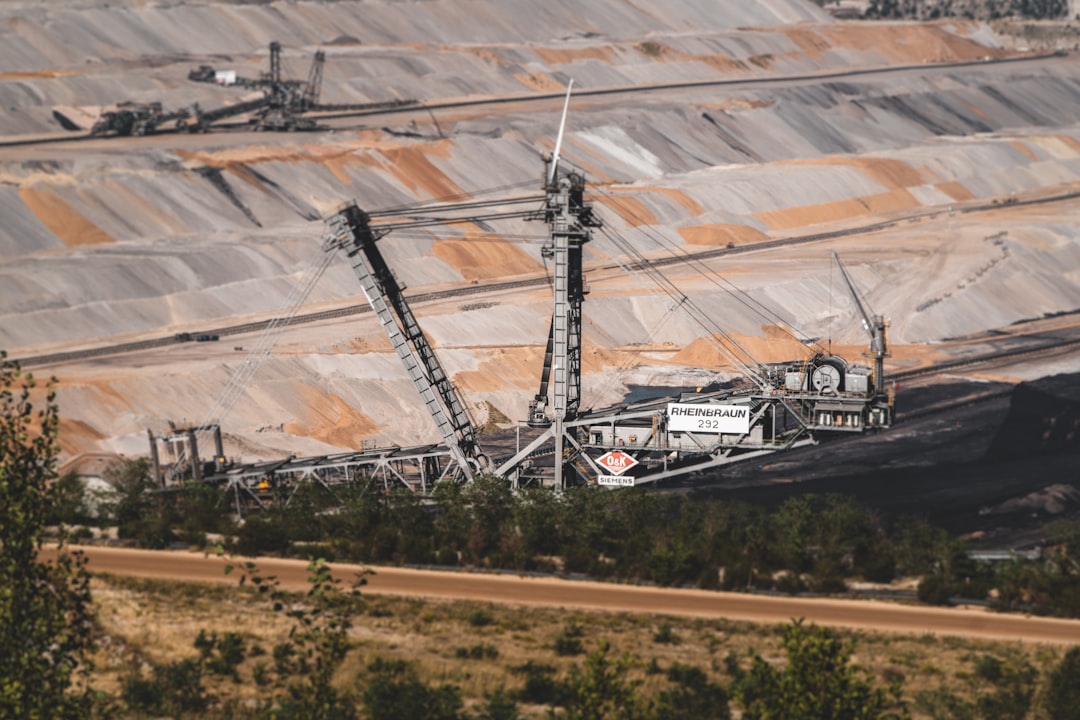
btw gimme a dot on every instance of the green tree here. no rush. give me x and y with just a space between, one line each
140 514
69 504
305 664
692 696
600 690
1013 687
45 614
1062 695
395 692
492 504
537 515
818 682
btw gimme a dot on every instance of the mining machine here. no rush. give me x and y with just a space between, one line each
776 407
285 102
874 325
779 407
350 230
283 106
136 119
174 456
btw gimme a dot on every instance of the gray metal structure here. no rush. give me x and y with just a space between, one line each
136 119
874 326
180 448
350 230
569 220
284 104
778 407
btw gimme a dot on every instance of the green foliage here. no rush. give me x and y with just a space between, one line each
498 705
140 514
568 642
818 682
941 703
600 690
665 635
221 655
540 686
651 49
692 696
811 542
482 651
395 692
934 589
174 689
304 665
69 502
46 620
203 509
262 535
933 9
1050 584
1012 687
491 503
1061 699
997 688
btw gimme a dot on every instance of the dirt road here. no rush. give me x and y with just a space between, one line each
554 592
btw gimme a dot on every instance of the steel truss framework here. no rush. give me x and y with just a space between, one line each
350 230
259 485
785 408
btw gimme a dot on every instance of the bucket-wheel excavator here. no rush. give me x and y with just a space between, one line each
283 106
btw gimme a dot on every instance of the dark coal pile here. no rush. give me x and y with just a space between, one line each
1044 417
999 467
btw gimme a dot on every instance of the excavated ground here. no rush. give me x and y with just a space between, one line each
832 126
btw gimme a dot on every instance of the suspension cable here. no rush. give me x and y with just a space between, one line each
741 296
271 333
730 348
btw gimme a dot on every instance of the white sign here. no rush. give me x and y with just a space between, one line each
733 419
616 462
615 480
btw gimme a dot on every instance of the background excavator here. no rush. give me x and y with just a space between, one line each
283 106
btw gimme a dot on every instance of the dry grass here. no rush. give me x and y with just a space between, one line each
146 621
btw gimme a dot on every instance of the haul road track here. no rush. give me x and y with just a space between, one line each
554 592
423 108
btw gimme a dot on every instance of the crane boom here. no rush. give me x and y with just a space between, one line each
350 230
874 326
553 168
867 323
314 82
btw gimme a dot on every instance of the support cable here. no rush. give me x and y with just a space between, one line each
624 366
271 333
741 296
729 347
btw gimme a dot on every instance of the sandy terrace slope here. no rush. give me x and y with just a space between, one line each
117 239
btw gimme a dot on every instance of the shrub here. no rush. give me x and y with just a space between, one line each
568 642
541 687
666 636
934 590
